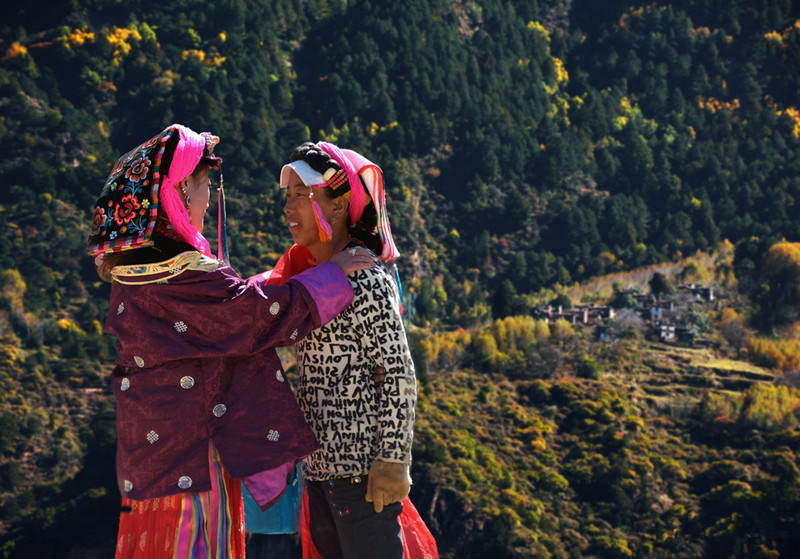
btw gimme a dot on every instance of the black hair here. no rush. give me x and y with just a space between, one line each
366 230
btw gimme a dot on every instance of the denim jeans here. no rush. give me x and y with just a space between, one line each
345 526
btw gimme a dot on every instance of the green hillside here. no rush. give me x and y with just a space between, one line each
543 152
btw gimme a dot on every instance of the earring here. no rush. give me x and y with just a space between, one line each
188 200
333 220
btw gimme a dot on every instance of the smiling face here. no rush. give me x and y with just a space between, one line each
300 212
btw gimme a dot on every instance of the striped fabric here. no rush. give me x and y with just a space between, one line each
373 178
207 525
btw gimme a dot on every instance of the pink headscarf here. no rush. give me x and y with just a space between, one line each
357 198
372 178
186 157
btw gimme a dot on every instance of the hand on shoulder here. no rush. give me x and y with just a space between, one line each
354 259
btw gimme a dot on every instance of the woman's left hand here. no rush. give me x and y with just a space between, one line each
353 259
388 482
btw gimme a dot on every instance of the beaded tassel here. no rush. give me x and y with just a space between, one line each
222 231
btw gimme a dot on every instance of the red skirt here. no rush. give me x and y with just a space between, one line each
186 526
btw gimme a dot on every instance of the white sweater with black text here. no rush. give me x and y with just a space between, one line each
353 423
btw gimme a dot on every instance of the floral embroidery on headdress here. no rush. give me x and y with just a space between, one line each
125 214
140 191
138 168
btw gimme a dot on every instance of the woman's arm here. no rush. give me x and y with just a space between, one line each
379 326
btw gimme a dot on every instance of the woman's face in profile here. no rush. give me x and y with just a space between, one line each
300 212
198 189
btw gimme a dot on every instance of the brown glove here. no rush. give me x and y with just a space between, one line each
388 482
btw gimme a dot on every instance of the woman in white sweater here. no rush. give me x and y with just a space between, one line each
356 381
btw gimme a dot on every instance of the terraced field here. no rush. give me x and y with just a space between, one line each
673 379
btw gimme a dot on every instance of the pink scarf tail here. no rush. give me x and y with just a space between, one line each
186 157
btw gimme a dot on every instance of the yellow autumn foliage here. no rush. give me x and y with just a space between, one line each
536 26
715 105
794 116
562 76
782 258
12 289
16 50
121 39
776 353
79 37
69 325
201 56
765 406
728 314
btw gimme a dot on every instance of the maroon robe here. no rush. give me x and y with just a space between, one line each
197 363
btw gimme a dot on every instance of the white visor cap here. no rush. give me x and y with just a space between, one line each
309 176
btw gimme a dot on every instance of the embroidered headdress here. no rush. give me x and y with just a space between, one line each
141 187
360 179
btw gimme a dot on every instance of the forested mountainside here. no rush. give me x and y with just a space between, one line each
529 148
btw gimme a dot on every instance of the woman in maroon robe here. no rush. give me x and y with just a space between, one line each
201 395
